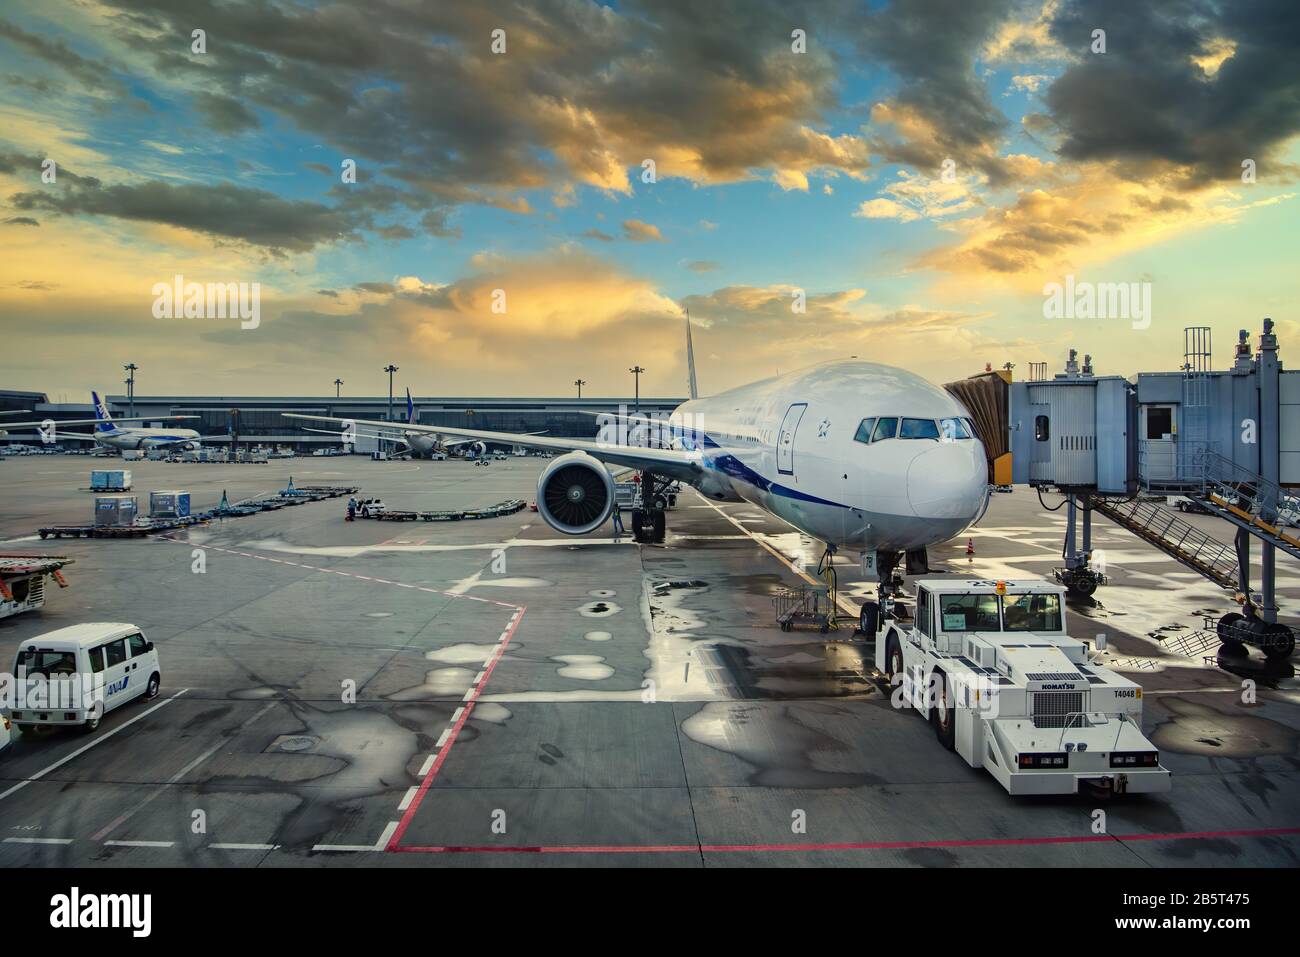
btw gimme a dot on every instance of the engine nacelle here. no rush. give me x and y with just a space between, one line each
479 449
575 494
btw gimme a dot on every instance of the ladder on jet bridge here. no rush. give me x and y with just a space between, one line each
1175 537
1249 501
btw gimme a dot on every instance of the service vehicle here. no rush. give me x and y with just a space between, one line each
22 581
990 666
5 733
77 674
367 507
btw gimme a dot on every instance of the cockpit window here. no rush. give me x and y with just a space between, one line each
919 429
969 613
953 429
864 430
885 428
1032 612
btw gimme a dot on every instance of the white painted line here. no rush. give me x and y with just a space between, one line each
408 798
427 766
442 738
140 843
383 838
38 840
479 677
100 739
243 847
468 694
345 847
455 715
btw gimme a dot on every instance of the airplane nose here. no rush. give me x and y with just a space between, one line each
948 481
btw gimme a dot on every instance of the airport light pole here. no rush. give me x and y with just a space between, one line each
338 385
636 371
390 369
579 383
130 387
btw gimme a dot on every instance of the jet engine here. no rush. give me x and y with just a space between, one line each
479 449
575 494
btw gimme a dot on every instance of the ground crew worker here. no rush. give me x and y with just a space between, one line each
352 510
618 520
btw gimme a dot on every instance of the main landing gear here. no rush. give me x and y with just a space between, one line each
650 521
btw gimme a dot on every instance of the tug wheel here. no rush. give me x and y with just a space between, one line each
869 618
944 713
1278 641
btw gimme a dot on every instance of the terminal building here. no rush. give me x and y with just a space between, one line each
257 420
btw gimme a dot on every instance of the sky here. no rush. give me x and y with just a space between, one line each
543 190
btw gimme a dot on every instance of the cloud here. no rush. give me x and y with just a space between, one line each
638 232
913 197
701 265
225 114
21 221
93 75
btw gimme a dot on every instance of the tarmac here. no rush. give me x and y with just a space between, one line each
494 693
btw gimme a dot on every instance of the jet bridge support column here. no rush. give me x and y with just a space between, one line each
1269 457
1078 575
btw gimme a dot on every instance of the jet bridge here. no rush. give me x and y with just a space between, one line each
1226 441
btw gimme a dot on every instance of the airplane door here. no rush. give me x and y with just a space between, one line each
785 439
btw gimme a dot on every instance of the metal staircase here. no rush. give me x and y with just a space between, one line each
1175 537
1249 501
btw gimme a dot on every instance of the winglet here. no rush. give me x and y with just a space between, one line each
690 358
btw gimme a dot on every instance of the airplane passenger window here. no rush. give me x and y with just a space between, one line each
864 430
969 613
919 429
953 429
885 429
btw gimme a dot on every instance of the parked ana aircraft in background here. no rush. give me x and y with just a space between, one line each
107 433
861 456
417 443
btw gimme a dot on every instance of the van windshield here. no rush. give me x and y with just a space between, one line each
51 664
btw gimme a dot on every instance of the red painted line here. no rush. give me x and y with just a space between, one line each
414 806
847 846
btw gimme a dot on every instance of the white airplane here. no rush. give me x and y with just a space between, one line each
107 433
416 442
861 456
111 435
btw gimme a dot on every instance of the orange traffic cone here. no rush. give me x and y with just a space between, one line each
970 548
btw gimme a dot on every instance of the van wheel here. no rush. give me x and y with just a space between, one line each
151 689
944 714
28 730
91 724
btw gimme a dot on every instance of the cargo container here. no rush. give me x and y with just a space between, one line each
116 510
110 480
169 504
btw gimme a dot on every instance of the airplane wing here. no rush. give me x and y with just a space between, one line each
58 436
62 422
686 466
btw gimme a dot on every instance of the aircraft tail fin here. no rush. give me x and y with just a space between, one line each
410 409
104 421
690 359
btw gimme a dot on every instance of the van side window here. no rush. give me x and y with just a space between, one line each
138 644
96 659
115 652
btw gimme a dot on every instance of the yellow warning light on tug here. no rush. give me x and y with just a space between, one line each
1001 588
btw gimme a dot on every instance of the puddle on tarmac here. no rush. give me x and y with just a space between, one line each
597 636
488 582
1194 728
778 742
378 614
584 667
439 683
602 593
490 711
462 654
599 609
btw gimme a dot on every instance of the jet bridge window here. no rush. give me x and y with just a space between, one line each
1032 612
919 429
969 613
1042 429
863 434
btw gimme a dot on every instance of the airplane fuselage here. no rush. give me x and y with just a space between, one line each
144 439
794 446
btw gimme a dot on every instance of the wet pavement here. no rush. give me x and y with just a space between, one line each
493 693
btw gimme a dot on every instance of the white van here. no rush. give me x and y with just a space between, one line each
75 675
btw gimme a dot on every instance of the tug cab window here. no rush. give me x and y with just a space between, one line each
919 429
885 429
1032 612
969 613
863 434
